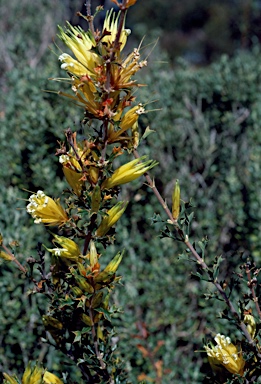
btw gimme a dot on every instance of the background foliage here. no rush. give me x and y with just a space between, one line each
207 135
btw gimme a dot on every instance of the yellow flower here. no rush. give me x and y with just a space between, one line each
109 271
50 378
33 375
86 95
111 25
72 172
45 210
225 354
81 43
112 216
129 119
68 248
121 74
10 379
71 65
128 172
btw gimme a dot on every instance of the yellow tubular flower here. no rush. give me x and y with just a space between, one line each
225 354
80 43
110 269
68 248
85 94
50 378
10 379
111 25
128 172
72 172
33 375
71 65
129 119
121 75
45 210
112 216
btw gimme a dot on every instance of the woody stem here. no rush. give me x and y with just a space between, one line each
14 259
200 261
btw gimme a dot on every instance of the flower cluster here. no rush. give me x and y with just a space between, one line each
99 73
34 375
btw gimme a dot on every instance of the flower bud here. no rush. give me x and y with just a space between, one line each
176 201
86 319
112 216
250 323
5 256
93 254
96 199
50 378
128 172
32 374
9 379
50 321
82 282
108 273
77 291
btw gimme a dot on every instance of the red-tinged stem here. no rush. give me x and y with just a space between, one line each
89 16
14 259
88 236
251 285
201 262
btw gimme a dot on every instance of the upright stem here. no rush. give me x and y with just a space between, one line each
251 285
89 16
88 236
116 46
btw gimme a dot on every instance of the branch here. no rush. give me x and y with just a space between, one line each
89 16
202 264
252 283
14 259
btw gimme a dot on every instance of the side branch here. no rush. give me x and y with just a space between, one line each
202 264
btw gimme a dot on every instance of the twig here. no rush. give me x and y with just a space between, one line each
89 233
202 264
14 259
89 16
105 139
155 190
252 284
95 341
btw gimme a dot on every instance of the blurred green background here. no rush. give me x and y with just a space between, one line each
205 75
